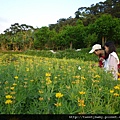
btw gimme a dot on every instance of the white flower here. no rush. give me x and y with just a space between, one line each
52 51
79 68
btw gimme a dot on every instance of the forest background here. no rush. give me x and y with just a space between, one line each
95 24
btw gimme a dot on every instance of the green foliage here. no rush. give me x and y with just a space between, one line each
105 26
73 36
90 40
41 37
83 54
60 54
45 38
95 10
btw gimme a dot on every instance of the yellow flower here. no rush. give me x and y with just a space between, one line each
100 89
59 95
12 88
77 81
96 76
31 80
13 93
73 82
117 87
25 83
8 96
57 104
47 74
25 86
48 82
48 78
116 94
41 98
8 102
25 78
6 82
95 81
14 84
111 91
119 78
76 76
27 69
81 92
81 103
40 91
83 78
49 99
68 87
16 77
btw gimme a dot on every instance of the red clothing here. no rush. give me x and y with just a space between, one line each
101 61
119 65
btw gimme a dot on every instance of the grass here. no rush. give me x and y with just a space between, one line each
48 85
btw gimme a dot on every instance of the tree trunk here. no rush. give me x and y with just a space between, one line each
71 46
103 40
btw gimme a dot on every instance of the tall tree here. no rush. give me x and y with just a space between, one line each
41 37
106 26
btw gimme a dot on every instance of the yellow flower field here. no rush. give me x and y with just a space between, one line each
39 85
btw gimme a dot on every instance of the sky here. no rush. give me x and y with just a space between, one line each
38 13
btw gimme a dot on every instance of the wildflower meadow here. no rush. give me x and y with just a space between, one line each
41 85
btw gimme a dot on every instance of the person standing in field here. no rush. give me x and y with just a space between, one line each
111 59
97 50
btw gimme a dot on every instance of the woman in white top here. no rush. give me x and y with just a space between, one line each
111 59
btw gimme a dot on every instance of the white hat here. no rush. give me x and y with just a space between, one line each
95 47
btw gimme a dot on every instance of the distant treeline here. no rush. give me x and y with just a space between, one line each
94 24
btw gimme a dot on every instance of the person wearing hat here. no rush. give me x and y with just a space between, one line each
97 50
